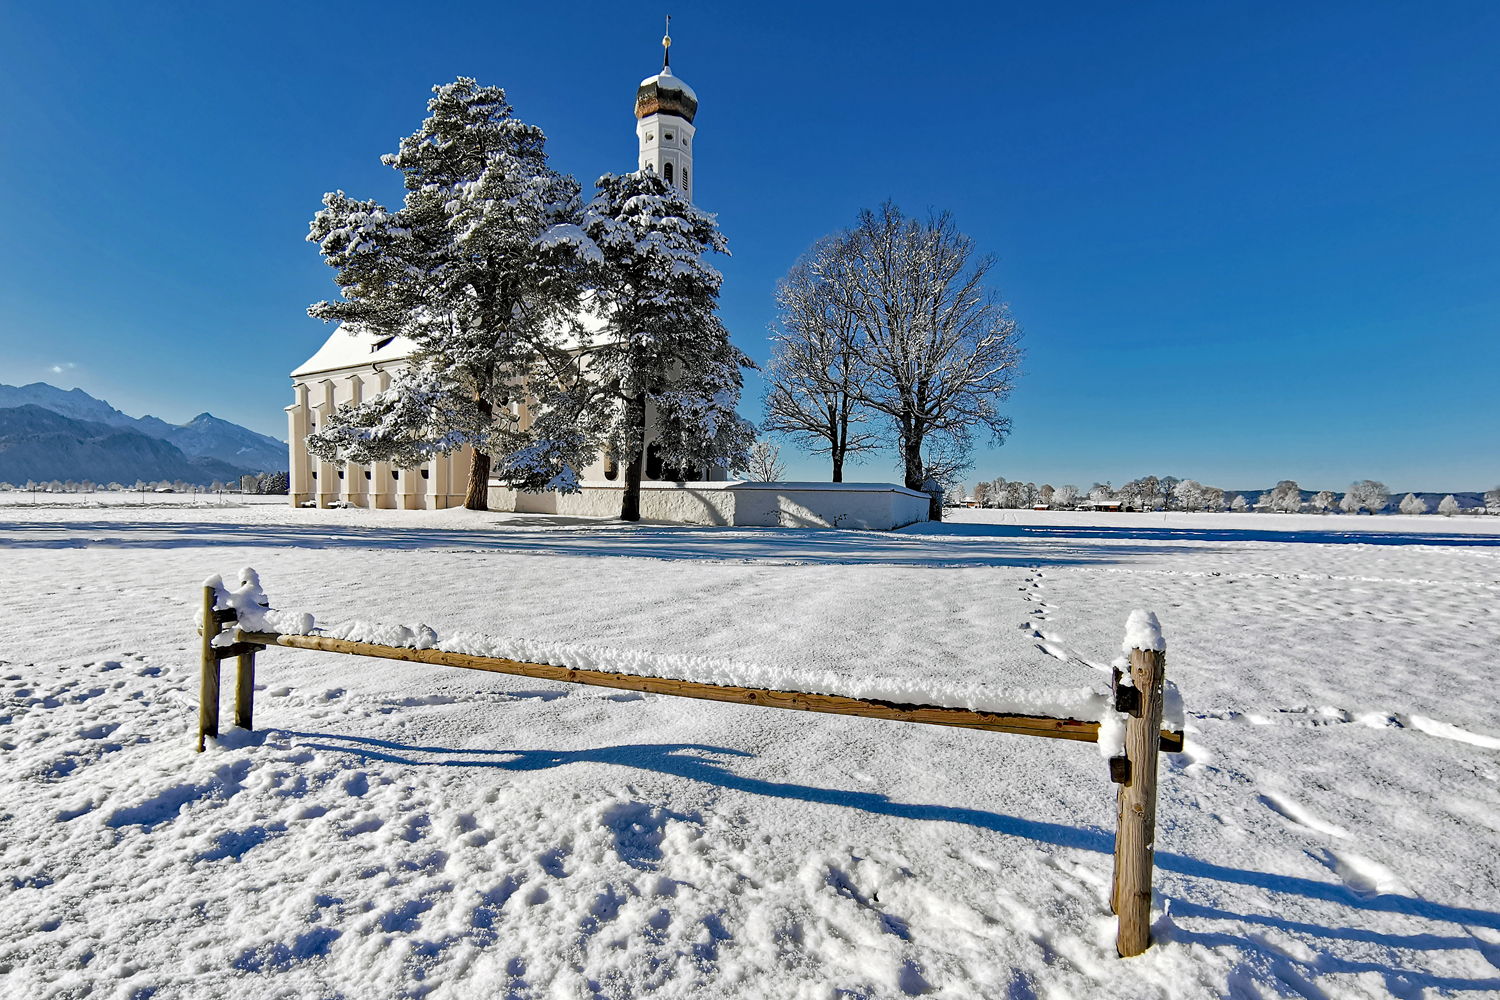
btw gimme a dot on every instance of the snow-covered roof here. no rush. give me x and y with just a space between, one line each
666 81
347 349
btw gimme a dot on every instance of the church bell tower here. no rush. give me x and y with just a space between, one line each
664 110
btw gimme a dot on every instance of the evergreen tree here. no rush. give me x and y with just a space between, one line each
462 271
663 350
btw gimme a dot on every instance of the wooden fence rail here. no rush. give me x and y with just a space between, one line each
1135 772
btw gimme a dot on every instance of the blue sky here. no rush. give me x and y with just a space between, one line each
1246 241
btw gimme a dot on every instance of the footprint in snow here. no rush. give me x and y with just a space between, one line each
1299 814
1362 875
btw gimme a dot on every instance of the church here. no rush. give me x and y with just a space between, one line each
351 367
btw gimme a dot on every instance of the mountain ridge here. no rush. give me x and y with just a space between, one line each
40 444
204 437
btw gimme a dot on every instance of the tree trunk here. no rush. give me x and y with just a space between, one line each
479 465
479 482
630 503
839 424
915 476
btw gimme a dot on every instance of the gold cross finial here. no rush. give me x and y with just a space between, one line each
666 46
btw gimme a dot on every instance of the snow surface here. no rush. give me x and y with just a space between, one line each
1332 828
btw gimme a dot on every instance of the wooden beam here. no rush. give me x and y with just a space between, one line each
208 681
1026 725
244 689
1135 833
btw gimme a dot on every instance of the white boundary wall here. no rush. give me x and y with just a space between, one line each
866 506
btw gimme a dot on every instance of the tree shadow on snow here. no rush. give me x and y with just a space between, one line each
710 765
784 546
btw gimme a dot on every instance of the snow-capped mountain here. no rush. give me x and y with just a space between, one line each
205 436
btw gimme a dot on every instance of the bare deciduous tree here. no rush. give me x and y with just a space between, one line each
764 464
816 370
940 347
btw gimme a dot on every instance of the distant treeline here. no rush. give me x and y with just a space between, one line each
1171 493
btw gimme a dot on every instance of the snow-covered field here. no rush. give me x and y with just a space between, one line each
393 829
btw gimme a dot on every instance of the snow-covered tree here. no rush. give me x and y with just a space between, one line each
1324 500
664 349
1189 494
1413 504
1045 494
939 345
1101 491
1448 506
982 494
1492 501
1066 496
1213 499
1239 505
997 490
1366 495
818 368
763 464
1286 497
462 271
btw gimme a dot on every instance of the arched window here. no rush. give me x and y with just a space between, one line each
653 462
666 172
684 179
611 468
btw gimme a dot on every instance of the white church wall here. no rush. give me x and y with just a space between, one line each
434 485
863 506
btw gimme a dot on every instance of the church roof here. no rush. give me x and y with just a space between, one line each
665 94
347 349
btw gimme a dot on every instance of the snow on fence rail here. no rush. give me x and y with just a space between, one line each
239 623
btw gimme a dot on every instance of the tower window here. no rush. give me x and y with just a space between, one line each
611 468
650 136
666 171
669 137
684 179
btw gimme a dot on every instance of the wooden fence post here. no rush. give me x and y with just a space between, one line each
244 691
1135 830
208 689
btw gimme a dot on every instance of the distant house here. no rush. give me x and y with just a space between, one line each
1102 504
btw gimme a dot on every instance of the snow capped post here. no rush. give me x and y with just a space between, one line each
1139 696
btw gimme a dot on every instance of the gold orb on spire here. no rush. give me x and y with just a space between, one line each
666 45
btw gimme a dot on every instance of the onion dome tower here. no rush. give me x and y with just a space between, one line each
664 110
